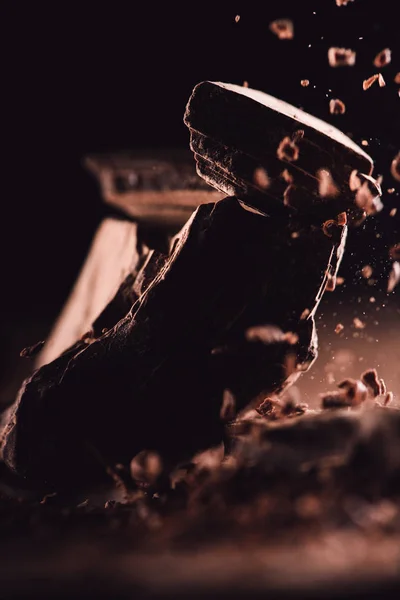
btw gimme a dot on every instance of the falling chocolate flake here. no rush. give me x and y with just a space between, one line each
287 150
383 58
327 187
391 191
228 407
366 271
358 324
394 252
394 277
339 328
343 2
297 135
339 280
383 386
381 81
371 380
370 81
31 351
395 167
261 179
337 107
354 181
367 200
328 226
393 212
283 28
397 77
330 282
245 84
305 82
304 314
341 57
287 176
237 18
267 334
291 338
334 400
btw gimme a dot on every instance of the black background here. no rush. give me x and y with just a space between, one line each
89 77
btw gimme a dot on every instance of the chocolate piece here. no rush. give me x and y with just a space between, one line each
152 382
236 130
159 188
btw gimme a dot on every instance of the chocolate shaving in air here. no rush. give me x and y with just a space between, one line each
394 277
381 81
358 324
366 271
383 58
327 187
343 2
339 328
395 167
370 81
237 18
355 390
397 77
341 57
337 107
367 200
287 176
305 82
261 179
287 150
393 212
282 28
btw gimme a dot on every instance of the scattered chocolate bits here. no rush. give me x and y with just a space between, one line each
395 167
327 187
358 324
370 81
261 179
305 82
31 351
394 277
339 328
366 271
282 28
337 107
341 57
288 150
383 58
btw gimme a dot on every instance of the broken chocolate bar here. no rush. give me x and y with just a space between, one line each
155 381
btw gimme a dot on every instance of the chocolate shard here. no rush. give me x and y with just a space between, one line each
154 381
236 130
158 188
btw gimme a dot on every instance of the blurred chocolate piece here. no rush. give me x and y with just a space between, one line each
155 380
155 193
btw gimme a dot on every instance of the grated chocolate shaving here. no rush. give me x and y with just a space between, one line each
371 380
326 187
370 81
31 351
341 57
383 58
358 324
339 328
381 81
394 277
282 28
337 107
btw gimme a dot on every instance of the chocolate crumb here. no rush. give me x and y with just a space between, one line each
371 380
304 314
287 176
394 252
358 324
245 84
283 28
366 271
383 386
370 81
287 150
327 187
343 2
381 81
388 399
355 390
391 191
393 212
383 58
397 77
341 57
305 82
237 18
394 277
339 328
334 400
337 107
395 167
261 179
